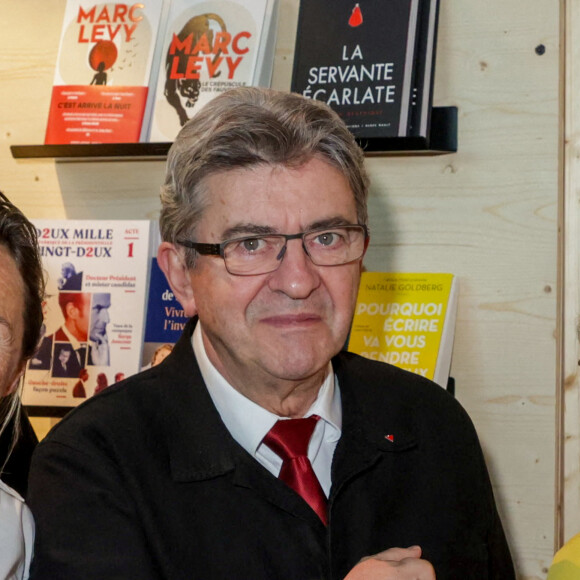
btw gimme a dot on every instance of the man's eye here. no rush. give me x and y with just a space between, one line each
252 244
327 238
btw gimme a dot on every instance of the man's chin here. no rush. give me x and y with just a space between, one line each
299 359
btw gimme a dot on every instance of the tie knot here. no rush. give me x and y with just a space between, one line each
289 438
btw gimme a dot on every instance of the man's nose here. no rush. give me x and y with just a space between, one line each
296 276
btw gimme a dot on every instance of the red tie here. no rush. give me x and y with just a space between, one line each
289 440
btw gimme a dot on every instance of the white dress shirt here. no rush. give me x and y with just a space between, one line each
16 535
249 423
76 345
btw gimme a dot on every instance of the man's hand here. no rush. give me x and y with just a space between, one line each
394 563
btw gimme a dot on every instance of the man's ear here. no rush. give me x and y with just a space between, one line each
71 310
172 264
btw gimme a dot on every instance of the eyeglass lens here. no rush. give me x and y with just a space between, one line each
263 254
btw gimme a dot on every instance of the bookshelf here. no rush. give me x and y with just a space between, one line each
442 140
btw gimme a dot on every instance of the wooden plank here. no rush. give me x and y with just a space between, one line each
568 452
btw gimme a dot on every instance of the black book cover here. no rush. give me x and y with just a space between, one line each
360 57
424 69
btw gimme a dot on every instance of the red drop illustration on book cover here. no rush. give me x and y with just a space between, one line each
356 18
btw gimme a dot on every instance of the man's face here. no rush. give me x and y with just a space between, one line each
285 325
67 270
11 322
161 355
77 316
83 321
100 315
64 355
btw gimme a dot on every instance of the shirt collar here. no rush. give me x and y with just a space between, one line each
247 422
73 340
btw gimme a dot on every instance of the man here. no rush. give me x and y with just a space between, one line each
69 338
185 470
65 363
43 355
99 353
70 278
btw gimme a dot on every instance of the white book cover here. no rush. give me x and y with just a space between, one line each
208 47
97 278
103 71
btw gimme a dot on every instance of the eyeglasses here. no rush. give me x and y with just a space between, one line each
262 254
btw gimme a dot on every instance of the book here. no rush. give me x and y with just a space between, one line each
208 47
97 274
408 320
103 72
165 319
371 61
419 123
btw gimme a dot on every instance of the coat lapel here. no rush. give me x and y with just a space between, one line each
252 475
377 425
199 444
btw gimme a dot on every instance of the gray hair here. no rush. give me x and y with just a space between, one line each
249 126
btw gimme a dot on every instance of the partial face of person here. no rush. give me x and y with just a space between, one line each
11 322
287 324
160 356
67 270
100 314
77 316
84 314
63 356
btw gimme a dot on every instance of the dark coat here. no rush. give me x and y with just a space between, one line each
15 470
144 481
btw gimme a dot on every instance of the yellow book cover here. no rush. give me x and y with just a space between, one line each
407 320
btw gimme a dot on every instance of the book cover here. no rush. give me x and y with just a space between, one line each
424 70
97 275
103 72
208 47
361 58
408 320
165 319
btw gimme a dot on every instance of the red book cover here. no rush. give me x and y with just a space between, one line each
103 72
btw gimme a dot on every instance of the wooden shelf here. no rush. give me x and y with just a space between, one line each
443 139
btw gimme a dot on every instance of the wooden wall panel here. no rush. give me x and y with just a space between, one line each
487 213
568 489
